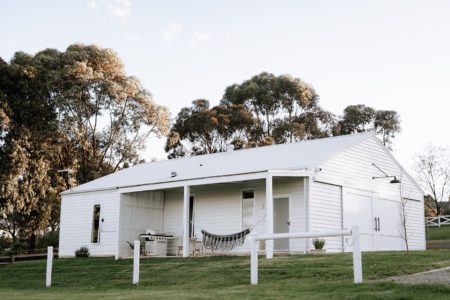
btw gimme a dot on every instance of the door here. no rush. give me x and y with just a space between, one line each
378 220
389 228
281 222
358 210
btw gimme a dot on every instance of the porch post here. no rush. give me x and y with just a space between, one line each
186 195
269 216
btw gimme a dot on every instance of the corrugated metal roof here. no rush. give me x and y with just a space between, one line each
277 157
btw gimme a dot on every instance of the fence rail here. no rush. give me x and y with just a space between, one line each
437 221
354 233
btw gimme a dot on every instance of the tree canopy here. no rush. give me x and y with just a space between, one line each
362 118
268 109
76 111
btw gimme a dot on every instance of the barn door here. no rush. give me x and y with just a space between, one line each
388 226
358 210
281 222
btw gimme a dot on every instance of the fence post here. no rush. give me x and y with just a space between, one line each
357 265
439 221
48 278
137 252
254 260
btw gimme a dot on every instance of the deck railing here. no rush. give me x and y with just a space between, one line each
437 221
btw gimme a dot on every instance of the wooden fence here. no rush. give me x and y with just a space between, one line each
437 221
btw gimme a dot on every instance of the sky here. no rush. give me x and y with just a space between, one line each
391 55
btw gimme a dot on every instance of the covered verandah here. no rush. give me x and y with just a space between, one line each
167 207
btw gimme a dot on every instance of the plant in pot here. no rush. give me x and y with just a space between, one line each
318 246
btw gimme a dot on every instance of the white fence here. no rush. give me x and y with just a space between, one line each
437 221
357 265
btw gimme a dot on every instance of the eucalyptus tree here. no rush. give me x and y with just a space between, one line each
200 129
75 110
362 118
286 109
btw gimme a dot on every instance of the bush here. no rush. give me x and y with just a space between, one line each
50 238
82 252
318 243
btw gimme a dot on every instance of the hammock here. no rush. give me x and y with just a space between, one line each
224 242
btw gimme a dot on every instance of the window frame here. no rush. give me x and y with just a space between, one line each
93 224
242 206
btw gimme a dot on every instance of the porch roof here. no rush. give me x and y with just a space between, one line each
294 156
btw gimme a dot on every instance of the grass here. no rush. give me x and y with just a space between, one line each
298 276
438 233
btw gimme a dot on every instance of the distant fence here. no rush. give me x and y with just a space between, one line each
437 221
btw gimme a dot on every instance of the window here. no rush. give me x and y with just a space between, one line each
191 218
248 208
95 238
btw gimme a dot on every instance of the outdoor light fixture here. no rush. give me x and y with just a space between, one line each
395 180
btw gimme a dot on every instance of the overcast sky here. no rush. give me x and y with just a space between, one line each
385 54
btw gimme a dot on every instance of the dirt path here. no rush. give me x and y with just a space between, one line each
438 276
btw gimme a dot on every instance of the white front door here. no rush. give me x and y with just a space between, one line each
281 222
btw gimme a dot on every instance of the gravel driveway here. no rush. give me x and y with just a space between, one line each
438 276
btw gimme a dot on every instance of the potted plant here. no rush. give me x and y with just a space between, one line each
318 246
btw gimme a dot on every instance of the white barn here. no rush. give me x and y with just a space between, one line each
323 184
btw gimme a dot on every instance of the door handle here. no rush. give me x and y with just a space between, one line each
288 223
379 227
376 223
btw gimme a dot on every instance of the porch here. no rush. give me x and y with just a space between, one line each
265 202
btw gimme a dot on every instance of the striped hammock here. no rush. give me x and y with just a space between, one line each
224 242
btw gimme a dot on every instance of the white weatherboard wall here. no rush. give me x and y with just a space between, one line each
353 170
76 223
218 209
138 212
325 213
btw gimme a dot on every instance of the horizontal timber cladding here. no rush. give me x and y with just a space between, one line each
325 208
139 211
353 168
218 209
76 223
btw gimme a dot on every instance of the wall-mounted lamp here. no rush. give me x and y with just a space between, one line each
395 180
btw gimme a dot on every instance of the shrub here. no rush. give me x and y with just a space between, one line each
318 243
82 252
50 238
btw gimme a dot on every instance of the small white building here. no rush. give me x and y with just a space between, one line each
323 184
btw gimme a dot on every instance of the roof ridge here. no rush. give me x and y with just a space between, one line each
259 148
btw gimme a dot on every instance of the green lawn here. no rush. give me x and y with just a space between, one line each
438 233
297 276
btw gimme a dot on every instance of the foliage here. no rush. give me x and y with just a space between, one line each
268 109
433 175
200 129
5 242
105 115
82 252
318 243
285 109
283 277
362 118
50 238
76 111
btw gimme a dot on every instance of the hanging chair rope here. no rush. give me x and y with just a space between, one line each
226 242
